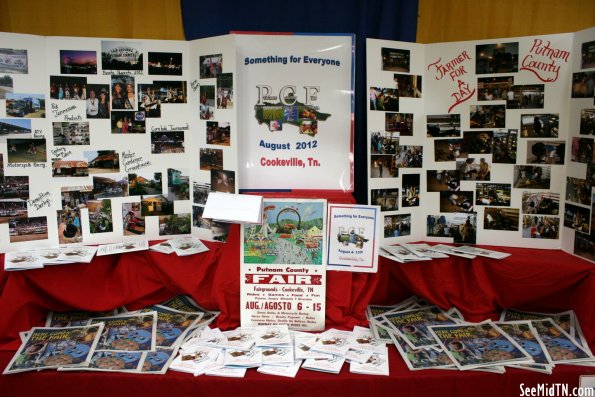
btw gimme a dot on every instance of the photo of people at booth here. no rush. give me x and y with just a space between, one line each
494 88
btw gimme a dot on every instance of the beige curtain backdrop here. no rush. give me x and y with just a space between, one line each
439 20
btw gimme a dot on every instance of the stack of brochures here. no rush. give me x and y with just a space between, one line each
428 337
143 341
424 252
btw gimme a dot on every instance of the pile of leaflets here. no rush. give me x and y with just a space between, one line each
424 252
37 259
143 341
276 350
429 338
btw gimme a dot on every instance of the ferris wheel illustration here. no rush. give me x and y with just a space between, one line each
289 219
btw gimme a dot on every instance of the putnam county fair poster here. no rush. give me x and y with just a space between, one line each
283 266
297 96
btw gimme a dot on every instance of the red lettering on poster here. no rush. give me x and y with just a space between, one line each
542 60
455 69
283 279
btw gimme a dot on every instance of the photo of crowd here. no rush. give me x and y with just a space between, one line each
28 229
167 142
487 116
542 203
165 63
587 126
397 225
504 150
501 218
384 99
387 199
546 152
578 190
443 125
532 177
492 194
395 60
12 209
78 62
494 88
497 58
68 88
539 125
541 227
443 180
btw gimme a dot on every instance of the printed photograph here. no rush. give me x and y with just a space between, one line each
200 192
448 149
587 126
532 177
577 218
148 100
387 199
494 194
494 88
68 88
443 125
25 105
501 218
121 55
383 143
133 223
100 216
487 116
539 125
397 225
197 219
384 99
11 210
165 63
497 58
69 226
13 128
409 156
123 92
410 188
128 122
504 150
145 183
588 55
225 97
474 169
152 205
14 187
583 246
546 152
98 101
399 122
76 197
582 84
408 86
167 142
220 230
78 62
70 167
459 201
211 159
223 181
207 102
28 229
541 203
13 61
443 180
102 161
541 227
170 225
210 65
383 166
477 142
110 185
526 97
178 184
170 91
578 190
71 133
395 60
6 86
26 150
218 133
461 226
582 150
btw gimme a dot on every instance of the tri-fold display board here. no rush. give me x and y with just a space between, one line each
486 142
104 140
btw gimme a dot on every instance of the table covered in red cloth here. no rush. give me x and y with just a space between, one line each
537 280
